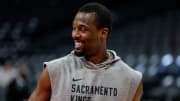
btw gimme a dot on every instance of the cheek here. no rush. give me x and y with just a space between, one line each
93 43
86 37
91 40
73 34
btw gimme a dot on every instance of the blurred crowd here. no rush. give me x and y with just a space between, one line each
14 79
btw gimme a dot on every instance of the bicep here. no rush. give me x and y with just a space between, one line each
43 90
138 93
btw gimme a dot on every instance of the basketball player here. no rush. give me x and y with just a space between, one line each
91 72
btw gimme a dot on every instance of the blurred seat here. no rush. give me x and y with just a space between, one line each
176 96
164 91
130 59
141 63
150 79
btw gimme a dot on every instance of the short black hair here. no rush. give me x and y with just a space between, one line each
103 14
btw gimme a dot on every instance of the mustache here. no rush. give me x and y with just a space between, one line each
79 41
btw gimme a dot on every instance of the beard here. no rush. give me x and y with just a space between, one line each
79 53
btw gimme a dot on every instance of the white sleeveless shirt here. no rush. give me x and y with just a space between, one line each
75 79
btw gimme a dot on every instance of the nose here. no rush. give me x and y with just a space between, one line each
75 34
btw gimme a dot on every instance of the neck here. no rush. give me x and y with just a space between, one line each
98 57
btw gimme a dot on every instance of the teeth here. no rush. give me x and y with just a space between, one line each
78 44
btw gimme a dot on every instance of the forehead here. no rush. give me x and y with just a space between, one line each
85 18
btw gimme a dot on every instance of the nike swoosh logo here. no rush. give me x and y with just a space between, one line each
76 79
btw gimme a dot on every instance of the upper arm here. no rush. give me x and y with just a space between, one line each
138 93
43 90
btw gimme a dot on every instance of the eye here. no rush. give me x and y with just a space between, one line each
73 29
83 29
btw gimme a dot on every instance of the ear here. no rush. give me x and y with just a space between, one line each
105 32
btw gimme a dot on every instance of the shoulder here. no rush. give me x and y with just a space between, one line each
131 72
134 76
61 64
122 66
58 61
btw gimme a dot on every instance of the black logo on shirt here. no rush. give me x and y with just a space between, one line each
76 79
85 92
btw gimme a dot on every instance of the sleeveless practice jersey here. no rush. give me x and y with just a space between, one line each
74 78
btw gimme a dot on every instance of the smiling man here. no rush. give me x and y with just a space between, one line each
91 72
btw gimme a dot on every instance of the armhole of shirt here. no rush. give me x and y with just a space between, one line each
46 66
135 81
139 80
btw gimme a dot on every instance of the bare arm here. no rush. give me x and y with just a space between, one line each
43 90
137 96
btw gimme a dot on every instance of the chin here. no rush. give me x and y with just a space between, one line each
79 53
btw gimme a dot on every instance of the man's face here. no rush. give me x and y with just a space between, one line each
87 38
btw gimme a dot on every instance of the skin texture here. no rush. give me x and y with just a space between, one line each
43 90
89 41
137 96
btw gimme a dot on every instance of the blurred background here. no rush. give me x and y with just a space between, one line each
146 34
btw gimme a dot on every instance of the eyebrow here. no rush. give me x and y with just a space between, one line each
81 24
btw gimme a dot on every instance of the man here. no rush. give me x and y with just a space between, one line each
90 72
